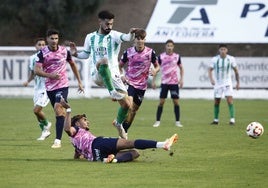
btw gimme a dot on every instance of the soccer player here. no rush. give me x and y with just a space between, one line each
169 62
105 149
52 64
222 65
40 97
137 61
103 46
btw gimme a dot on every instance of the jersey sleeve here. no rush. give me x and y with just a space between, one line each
179 60
159 60
124 58
39 57
154 57
87 44
69 56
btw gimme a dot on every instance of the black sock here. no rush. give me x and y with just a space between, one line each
159 113
59 126
126 125
177 112
144 144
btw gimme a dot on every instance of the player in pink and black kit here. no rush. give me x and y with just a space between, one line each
169 62
139 60
52 63
105 149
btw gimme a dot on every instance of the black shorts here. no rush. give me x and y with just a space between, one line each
173 88
137 94
55 95
102 147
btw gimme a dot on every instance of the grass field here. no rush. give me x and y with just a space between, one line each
205 157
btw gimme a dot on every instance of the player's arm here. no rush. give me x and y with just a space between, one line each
83 54
76 73
237 78
181 80
122 63
155 63
212 81
129 36
30 78
67 121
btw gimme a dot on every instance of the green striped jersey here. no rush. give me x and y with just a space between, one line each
223 69
100 46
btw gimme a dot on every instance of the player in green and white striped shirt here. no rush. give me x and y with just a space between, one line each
103 47
222 65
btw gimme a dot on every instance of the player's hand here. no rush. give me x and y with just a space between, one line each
25 84
133 30
152 71
64 103
212 82
237 86
81 88
55 76
181 83
124 80
73 49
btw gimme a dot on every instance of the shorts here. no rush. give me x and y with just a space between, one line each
226 90
116 80
137 94
173 88
55 95
40 98
102 147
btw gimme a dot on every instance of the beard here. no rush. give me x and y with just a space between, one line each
107 31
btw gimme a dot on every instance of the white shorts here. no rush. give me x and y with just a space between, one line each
40 98
116 80
226 90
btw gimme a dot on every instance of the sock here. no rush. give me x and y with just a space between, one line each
106 76
41 125
177 112
160 144
44 122
216 111
124 158
159 112
126 125
121 114
144 144
59 126
231 110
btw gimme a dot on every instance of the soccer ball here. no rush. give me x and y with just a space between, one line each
255 130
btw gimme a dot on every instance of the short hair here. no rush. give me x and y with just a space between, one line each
77 118
170 41
105 14
140 33
39 39
222 45
52 32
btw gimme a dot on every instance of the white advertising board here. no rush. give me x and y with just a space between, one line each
253 72
209 21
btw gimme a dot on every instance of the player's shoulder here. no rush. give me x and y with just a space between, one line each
230 57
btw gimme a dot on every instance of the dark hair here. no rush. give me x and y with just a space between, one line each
52 32
39 39
140 33
77 118
222 45
105 14
170 41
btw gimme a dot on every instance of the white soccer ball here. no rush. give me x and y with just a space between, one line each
255 130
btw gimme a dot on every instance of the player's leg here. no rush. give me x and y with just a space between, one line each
104 71
41 100
174 92
136 97
146 144
218 92
230 102
55 97
163 96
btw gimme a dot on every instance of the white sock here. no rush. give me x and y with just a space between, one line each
160 144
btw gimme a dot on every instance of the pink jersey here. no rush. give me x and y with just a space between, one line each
82 141
169 67
139 63
55 62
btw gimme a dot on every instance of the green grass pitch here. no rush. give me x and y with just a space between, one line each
205 156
